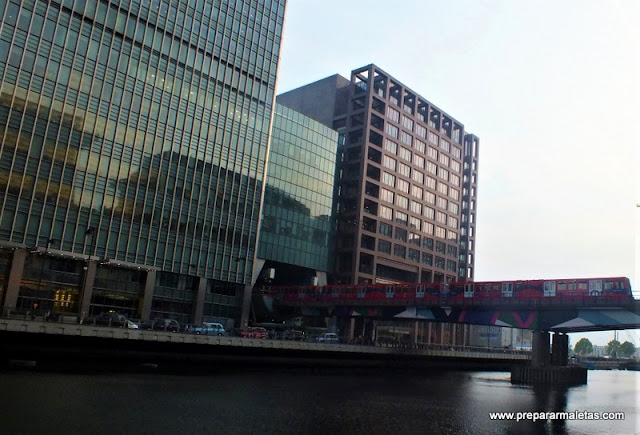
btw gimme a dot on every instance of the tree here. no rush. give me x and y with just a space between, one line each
627 349
583 347
613 348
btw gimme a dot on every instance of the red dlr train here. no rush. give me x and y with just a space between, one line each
566 290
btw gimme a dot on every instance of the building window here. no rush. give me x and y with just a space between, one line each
405 154
402 202
404 170
433 153
388 162
441 232
384 246
416 207
454 179
430 197
386 212
414 255
392 130
432 137
416 191
443 173
414 239
421 131
441 217
442 202
440 247
427 259
406 138
427 227
388 179
456 152
429 213
403 185
453 207
455 166
454 193
452 235
427 243
386 229
440 262
444 159
452 222
402 218
420 146
393 114
417 176
399 251
430 182
390 146
386 195
432 168
414 223
445 145
407 123
418 161
401 234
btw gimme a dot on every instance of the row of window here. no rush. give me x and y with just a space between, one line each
411 254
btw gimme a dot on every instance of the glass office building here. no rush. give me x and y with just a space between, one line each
297 213
134 140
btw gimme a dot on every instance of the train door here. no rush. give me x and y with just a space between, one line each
420 290
362 292
302 292
549 289
335 292
388 292
468 290
595 287
507 289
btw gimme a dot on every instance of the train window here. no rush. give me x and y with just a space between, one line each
302 293
468 290
549 288
582 286
389 291
420 290
572 286
562 286
335 292
608 285
507 289
362 291
595 287
496 288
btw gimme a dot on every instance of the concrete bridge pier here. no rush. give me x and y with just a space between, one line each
549 365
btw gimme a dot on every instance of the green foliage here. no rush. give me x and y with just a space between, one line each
583 347
613 348
627 349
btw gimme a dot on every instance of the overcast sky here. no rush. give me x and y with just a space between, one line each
552 89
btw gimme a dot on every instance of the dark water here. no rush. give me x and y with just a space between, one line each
302 403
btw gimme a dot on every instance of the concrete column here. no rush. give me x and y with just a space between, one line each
540 355
560 350
415 332
455 332
15 276
87 288
150 283
429 333
352 328
198 305
442 333
246 306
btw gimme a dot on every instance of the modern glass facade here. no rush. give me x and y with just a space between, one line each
146 121
297 222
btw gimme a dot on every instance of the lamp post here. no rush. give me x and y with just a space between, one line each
80 313
49 243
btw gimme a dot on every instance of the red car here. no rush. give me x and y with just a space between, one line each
255 332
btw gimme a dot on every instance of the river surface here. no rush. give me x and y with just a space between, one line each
281 402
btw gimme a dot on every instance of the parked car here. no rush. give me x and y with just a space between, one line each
328 337
165 325
132 325
110 319
208 328
293 334
255 332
